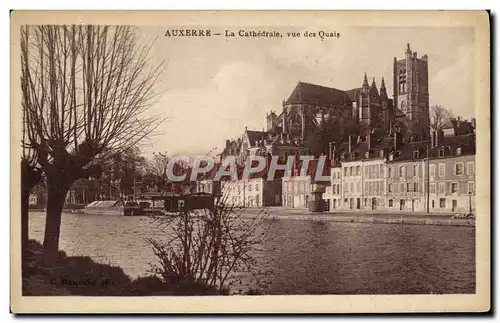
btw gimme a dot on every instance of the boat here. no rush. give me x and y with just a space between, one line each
104 208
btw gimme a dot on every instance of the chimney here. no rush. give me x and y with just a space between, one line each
227 143
438 138
350 148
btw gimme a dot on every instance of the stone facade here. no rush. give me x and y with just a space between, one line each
252 192
405 186
452 184
333 193
296 191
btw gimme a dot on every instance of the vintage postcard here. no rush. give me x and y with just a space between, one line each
250 162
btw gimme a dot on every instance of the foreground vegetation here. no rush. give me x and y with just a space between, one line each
83 277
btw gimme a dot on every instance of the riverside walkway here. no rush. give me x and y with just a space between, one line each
369 216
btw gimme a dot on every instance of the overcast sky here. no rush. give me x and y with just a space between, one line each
214 87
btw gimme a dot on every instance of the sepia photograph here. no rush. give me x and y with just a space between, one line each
265 158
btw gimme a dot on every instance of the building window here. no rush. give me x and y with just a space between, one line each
432 188
402 188
415 154
408 187
389 188
441 188
256 187
381 171
389 172
470 168
345 171
415 170
357 170
459 169
433 204
249 187
442 170
391 203
402 171
459 151
441 153
454 187
352 187
471 187
351 169
432 170
415 187
442 203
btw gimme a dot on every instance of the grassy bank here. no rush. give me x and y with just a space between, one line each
83 277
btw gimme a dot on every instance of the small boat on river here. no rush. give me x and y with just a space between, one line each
104 208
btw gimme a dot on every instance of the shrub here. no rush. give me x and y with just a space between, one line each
207 248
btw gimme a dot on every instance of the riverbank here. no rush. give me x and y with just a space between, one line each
71 208
81 276
413 218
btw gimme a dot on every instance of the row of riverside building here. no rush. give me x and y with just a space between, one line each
388 174
436 176
393 161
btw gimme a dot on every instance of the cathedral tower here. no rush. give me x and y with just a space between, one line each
411 90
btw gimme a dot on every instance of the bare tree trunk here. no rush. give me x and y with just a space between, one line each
58 187
30 176
25 196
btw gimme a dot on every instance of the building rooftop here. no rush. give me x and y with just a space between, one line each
319 95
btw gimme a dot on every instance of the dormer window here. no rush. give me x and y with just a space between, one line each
367 155
381 153
459 151
391 156
416 154
441 152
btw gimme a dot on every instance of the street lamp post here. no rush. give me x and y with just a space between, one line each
470 202
428 179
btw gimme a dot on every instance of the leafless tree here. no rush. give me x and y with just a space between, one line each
85 91
31 174
211 247
158 164
439 116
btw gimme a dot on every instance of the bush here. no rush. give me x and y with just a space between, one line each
207 248
82 276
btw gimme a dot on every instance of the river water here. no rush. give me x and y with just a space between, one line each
302 257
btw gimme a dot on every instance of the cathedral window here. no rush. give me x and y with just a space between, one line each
402 80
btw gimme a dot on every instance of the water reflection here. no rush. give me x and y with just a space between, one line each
301 257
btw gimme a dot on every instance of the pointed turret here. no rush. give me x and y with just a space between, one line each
383 90
373 89
365 82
